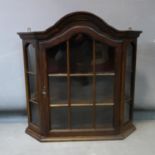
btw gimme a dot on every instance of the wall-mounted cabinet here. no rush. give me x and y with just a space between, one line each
80 80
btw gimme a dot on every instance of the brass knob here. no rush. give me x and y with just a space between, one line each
44 92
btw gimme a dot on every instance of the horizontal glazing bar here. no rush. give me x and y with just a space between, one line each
84 74
81 74
104 104
58 105
59 74
106 74
81 105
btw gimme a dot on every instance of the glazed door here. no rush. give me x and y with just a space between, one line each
82 81
31 76
130 63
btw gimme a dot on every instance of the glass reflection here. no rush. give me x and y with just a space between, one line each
57 59
31 56
58 90
59 118
32 87
104 89
81 55
104 117
34 109
104 58
81 117
81 90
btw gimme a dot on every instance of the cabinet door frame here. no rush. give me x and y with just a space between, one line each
128 42
65 36
34 43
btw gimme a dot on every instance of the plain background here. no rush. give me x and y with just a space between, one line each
17 15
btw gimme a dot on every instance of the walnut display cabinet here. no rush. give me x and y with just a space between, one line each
80 76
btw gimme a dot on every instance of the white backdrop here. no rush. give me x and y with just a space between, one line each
17 15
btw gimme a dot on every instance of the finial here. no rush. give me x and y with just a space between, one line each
29 29
129 28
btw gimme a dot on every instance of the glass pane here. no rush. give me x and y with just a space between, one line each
127 112
58 90
59 119
31 56
81 117
32 87
128 85
57 59
81 89
128 71
128 82
104 58
34 110
104 89
104 117
81 55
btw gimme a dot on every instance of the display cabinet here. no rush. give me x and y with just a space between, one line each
80 77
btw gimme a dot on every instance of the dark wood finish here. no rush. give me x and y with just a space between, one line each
98 31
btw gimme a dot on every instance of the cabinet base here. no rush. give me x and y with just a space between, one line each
126 132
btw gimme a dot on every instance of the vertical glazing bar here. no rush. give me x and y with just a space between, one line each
68 85
94 85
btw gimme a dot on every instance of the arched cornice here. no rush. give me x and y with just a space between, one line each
81 19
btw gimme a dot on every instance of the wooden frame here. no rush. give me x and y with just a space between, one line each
62 31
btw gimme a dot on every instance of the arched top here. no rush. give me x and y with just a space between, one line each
69 33
80 19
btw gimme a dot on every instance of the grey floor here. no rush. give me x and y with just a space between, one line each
14 141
